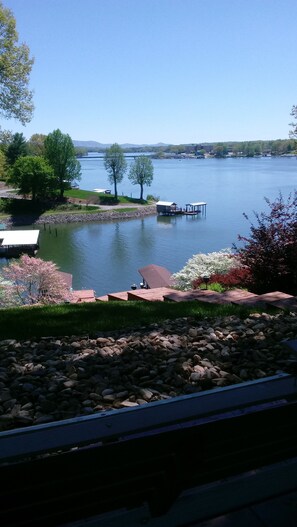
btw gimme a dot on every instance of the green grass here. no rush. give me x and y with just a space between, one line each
106 199
81 194
18 207
91 318
124 209
73 209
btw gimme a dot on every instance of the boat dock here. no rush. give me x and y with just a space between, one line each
195 208
15 243
170 208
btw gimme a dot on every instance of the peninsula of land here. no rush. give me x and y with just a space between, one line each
105 213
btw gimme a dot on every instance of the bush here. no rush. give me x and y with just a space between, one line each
108 199
235 277
201 265
270 252
151 197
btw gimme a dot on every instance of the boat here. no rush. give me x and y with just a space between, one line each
102 190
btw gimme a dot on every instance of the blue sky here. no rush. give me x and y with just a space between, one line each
149 71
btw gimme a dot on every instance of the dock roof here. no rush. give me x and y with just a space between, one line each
156 276
196 204
166 203
29 237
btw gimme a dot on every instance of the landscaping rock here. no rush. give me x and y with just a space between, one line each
57 378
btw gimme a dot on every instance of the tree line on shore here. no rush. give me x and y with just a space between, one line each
46 166
278 147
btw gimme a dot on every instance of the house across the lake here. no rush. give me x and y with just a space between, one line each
15 243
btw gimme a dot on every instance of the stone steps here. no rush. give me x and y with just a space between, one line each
234 296
206 295
84 295
149 295
123 295
275 298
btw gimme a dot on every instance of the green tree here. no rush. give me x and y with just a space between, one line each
115 165
32 175
17 148
15 69
293 132
6 137
220 150
3 167
80 151
60 153
36 145
141 172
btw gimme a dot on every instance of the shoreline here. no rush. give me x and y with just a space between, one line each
68 217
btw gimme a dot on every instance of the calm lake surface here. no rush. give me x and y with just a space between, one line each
106 256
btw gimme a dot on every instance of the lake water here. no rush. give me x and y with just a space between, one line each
106 256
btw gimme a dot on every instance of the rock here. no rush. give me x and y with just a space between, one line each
107 391
70 384
196 376
146 394
58 378
109 398
127 404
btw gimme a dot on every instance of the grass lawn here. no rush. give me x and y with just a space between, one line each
85 201
91 318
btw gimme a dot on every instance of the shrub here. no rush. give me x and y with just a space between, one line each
235 277
270 252
151 197
107 199
201 265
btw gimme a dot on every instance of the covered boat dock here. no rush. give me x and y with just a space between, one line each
15 243
168 208
195 208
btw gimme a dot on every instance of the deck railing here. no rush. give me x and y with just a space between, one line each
148 456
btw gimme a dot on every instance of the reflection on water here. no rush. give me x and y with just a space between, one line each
106 256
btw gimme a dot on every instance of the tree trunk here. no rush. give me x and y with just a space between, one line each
141 191
115 189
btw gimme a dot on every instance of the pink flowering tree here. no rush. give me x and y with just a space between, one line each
32 281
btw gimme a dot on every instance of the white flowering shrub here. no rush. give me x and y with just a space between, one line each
201 265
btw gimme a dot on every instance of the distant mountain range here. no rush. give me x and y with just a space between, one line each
95 144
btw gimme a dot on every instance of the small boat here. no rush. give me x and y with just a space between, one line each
102 190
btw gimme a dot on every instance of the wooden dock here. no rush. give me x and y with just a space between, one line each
170 208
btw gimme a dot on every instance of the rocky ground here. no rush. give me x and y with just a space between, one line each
57 378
